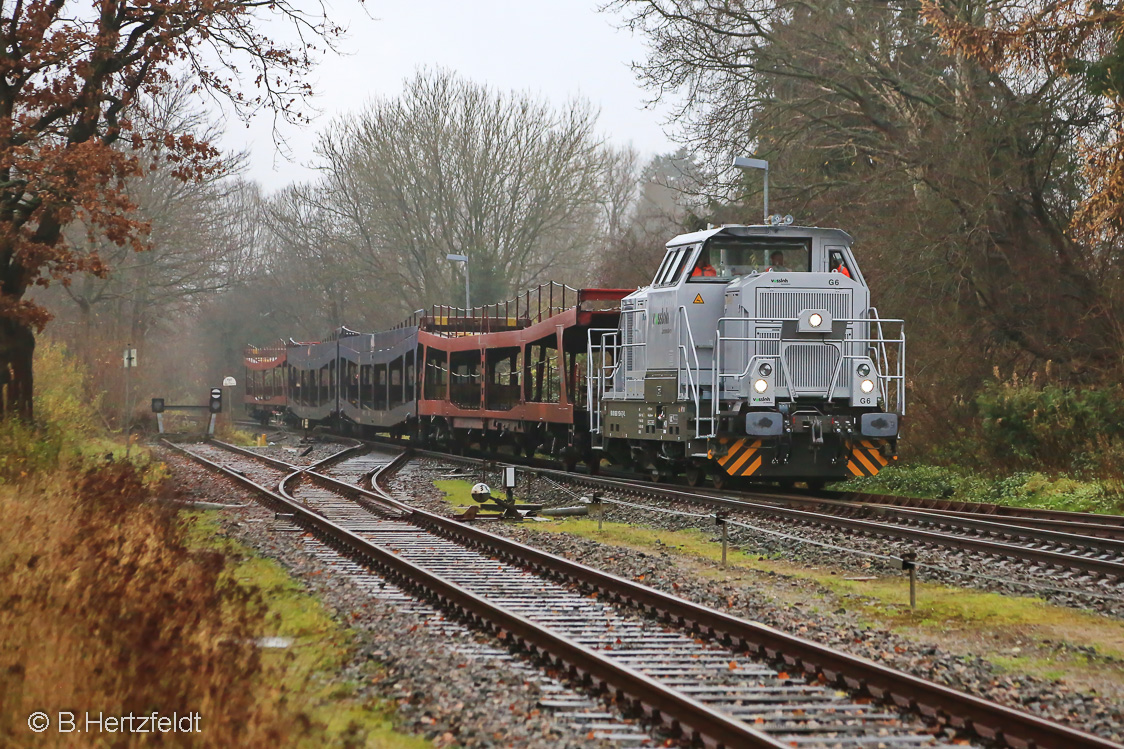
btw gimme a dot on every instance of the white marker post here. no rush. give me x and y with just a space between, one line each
229 383
129 359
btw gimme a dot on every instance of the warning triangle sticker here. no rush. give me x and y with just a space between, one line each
698 299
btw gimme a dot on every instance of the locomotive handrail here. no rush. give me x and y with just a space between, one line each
760 339
878 346
595 386
613 335
693 385
900 396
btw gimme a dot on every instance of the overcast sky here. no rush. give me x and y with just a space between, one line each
556 49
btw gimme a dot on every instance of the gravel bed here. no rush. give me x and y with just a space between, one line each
840 628
442 690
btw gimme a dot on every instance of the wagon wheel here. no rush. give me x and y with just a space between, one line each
720 479
695 474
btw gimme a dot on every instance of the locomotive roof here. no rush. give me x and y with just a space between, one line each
739 230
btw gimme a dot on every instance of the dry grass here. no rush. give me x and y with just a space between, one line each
103 608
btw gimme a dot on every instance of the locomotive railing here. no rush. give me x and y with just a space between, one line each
604 357
877 346
601 363
688 355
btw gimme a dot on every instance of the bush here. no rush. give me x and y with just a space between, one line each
25 451
1021 489
1078 431
909 481
66 417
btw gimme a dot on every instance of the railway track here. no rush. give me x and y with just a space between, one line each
707 675
1007 537
582 712
1080 523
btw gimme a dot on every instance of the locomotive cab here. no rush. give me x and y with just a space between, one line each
754 352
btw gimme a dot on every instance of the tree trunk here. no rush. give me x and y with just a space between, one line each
17 349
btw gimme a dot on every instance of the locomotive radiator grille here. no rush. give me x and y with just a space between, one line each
810 366
789 303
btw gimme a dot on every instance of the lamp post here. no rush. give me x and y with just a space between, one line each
467 297
741 162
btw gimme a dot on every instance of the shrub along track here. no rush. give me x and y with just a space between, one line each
739 684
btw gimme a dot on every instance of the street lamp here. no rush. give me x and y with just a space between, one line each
741 162
463 259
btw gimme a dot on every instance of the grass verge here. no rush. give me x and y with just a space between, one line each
458 492
110 603
320 647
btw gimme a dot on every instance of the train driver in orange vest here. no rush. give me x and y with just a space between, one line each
837 265
703 266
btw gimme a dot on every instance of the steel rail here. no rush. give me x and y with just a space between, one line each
1110 531
980 508
1069 526
986 718
1114 545
869 527
1027 528
679 711
1012 727
1076 562
1085 523
1081 527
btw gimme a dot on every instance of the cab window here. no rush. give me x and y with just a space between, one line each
725 258
672 269
663 267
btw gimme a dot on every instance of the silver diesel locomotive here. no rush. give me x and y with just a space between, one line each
754 352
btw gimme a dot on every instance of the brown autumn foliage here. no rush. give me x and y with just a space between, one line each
71 76
1076 39
103 608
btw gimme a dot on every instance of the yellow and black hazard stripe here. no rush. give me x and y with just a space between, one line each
742 456
867 459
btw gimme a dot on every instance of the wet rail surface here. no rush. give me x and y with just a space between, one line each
723 694
580 711
790 708
1046 550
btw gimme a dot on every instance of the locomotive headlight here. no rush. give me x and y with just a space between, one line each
761 386
866 386
815 320
863 369
765 369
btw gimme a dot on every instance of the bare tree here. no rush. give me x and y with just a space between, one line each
201 235
311 269
453 167
661 199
